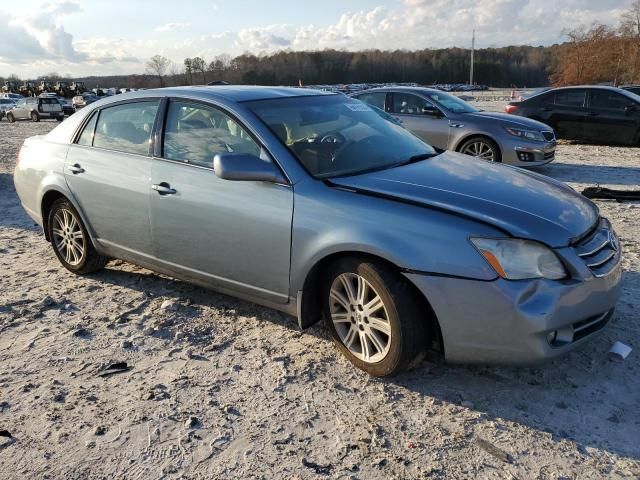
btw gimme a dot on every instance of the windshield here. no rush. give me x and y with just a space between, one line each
451 102
334 135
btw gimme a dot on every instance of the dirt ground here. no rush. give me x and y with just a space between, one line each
221 388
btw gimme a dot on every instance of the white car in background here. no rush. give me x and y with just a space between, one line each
6 104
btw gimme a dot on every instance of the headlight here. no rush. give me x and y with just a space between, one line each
519 259
525 134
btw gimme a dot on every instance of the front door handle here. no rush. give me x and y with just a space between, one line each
163 188
76 169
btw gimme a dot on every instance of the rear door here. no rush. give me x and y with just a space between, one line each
609 119
568 113
108 169
409 108
19 112
231 234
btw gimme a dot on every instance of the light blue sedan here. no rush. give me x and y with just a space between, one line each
314 204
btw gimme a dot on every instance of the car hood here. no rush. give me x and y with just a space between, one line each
522 203
508 120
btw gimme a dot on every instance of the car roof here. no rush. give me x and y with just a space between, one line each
233 93
402 89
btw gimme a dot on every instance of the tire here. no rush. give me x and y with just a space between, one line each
349 321
70 240
481 145
35 117
59 119
10 117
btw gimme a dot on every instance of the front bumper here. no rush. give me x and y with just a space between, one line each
513 322
528 154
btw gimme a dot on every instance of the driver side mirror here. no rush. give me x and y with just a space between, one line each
432 112
246 167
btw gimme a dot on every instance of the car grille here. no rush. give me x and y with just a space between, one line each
600 250
548 136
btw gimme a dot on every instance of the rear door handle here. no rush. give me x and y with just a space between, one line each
163 188
593 114
76 169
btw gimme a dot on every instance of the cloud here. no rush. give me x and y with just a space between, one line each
170 27
266 38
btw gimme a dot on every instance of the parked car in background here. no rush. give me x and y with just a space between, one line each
397 247
15 96
6 104
449 123
588 113
65 103
81 101
632 88
36 109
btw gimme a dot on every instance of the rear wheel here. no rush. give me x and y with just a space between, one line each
70 240
35 117
374 316
481 147
59 119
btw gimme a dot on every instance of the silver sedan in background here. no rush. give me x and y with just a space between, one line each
316 205
449 123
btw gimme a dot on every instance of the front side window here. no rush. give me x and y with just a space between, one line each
86 137
570 98
609 100
451 102
126 128
409 104
195 133
334 135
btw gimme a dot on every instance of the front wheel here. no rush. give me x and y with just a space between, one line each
374 316
481 147
11 118
35 117
70 240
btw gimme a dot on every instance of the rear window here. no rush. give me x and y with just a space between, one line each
49 101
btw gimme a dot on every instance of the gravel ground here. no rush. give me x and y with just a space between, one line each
220 388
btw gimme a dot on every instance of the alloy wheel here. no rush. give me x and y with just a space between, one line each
68 237
360 317
479 149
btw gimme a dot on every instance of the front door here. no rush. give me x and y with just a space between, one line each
609 118
417 115
108 170
231 234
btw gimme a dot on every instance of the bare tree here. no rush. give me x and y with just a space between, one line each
630 20
157 66
199 66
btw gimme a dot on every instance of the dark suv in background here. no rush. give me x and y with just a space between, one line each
35 109
592 114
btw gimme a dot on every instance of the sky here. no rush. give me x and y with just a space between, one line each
98 37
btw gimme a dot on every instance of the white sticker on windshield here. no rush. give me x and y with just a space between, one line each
358 107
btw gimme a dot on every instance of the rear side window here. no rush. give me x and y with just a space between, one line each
570 98
609 100
375 99
195 133
126 128
86 137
